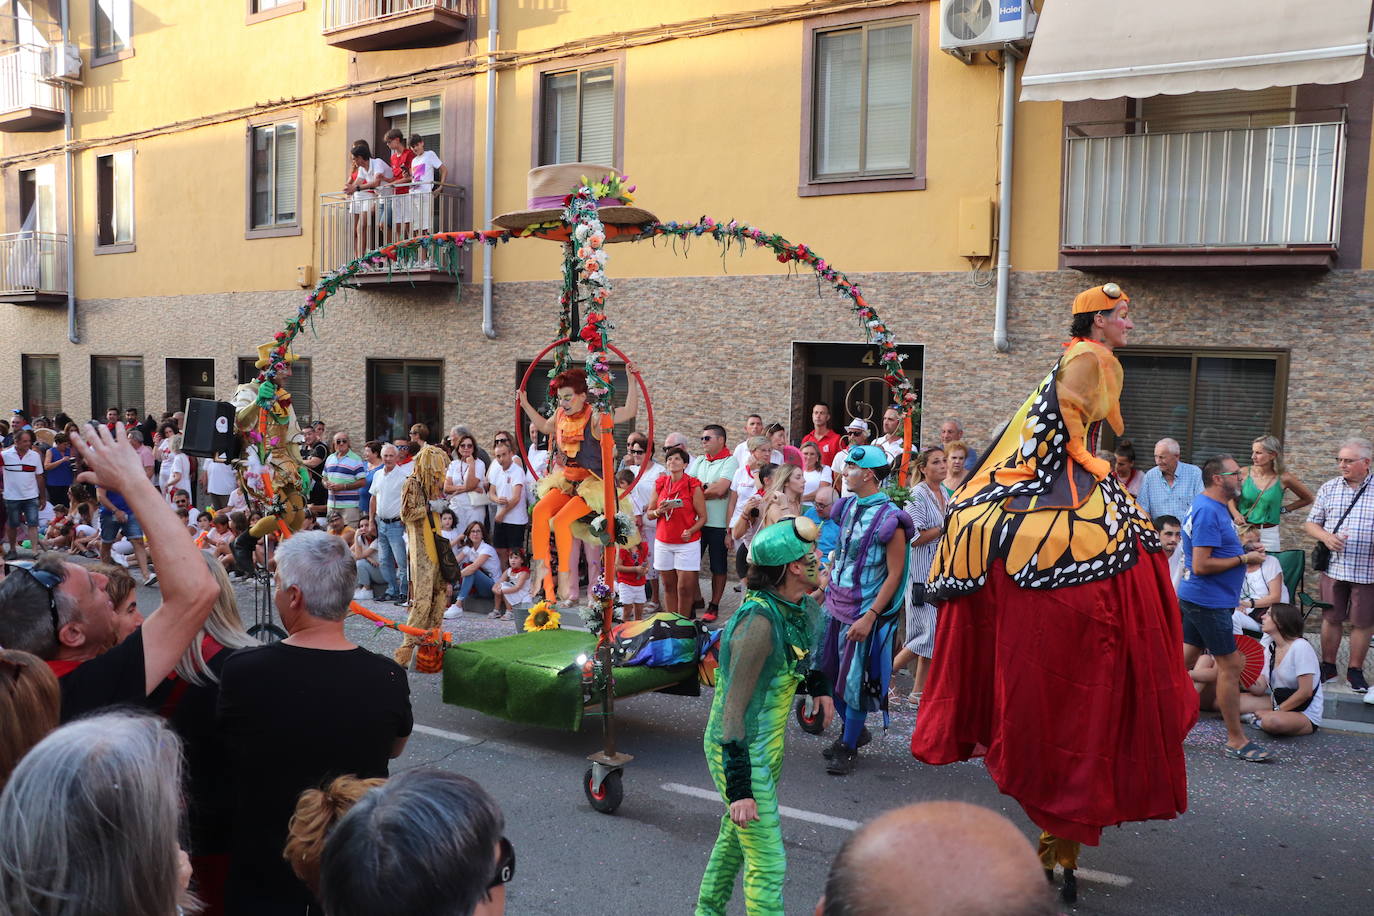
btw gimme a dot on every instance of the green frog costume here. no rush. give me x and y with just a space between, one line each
766 656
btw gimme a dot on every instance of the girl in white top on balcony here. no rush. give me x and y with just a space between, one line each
368 173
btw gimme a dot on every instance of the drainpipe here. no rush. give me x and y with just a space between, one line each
71 191
489 179
1008 67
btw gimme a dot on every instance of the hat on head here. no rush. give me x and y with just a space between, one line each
783 542
265 355
856 425
549 186
1102 298
867 456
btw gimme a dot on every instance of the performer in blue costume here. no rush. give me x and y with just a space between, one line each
865 596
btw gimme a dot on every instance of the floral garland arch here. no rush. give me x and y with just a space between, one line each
585 281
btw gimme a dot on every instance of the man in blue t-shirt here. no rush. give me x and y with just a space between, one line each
117 520
1214 571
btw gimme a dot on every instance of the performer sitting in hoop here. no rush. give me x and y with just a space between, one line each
573 487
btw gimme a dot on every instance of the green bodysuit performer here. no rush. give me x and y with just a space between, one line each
765 658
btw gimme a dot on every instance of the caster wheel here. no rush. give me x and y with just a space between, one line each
608 798
812 725
267 633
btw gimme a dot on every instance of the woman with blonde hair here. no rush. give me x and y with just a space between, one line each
30 704
784 495
1262 484
956 456
317 811
926 506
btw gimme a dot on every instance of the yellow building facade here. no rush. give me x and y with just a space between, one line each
210 147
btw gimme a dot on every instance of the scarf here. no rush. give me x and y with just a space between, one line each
720 455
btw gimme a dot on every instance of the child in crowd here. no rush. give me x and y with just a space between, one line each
512 591
60 531
86 538
631 567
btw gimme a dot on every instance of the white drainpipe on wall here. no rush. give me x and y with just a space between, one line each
489 179
71 190
1008 66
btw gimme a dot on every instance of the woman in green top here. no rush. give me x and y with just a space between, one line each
1263 483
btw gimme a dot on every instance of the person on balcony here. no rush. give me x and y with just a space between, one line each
400 182
368 173
427 174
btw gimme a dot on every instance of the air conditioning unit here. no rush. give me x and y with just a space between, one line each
62 64
967 26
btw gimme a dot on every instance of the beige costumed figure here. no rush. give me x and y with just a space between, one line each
422 490
282 448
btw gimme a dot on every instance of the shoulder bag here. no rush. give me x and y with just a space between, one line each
449 567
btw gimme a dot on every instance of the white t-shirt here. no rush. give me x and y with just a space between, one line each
453 534
21 474
742 454
368 174
178 463
423 168
1301 659
538 460
837 468
644 490
219 478
46 513
458 474
814 479
486 555
386 489
1176 565
745 485
502 483
892 446
1257 581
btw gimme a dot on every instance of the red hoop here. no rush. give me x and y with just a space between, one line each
521 420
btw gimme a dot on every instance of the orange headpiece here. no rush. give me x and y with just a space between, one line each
1102 298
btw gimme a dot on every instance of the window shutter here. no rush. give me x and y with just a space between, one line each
888 128
123 197
299 387
598 117
558 142
130 384
1222 110
1233 405
1155 401
837 102
426 119
262 176
285 174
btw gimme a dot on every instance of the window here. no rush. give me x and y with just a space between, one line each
1211 401
112 27
422 116
42 386
274 188
401 393
863 105
298 385
262 10
116 381
578 116
114 184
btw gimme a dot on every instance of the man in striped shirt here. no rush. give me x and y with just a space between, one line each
345 474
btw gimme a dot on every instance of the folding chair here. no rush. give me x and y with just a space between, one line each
1294 564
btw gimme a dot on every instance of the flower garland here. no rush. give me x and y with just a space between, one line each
594 613
875 329
588 263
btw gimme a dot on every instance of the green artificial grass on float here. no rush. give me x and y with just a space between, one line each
533 678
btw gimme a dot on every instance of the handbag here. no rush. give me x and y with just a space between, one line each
1321 554
449 567
1281 694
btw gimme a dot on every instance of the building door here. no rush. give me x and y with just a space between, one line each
848 379
189 378
38 225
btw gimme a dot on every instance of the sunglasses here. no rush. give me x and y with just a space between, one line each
505 868
636 451
502 441
49 582
707 438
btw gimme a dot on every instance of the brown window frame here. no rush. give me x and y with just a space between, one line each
280 230
617 64
809 185
29 398
370 421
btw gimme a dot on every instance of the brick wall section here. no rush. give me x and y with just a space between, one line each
718 347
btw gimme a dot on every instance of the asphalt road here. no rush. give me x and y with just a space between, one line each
1289 837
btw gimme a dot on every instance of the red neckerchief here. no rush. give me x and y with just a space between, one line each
720 455
519 569
63 666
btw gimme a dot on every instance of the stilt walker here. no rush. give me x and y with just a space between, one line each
1057 654
766 653
422 491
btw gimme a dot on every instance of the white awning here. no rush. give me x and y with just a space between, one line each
1105 49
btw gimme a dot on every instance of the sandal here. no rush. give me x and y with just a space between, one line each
1251 753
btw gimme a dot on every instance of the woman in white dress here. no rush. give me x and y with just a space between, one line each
926 507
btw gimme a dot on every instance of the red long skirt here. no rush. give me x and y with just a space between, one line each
1076 697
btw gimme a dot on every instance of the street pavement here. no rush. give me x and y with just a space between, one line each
1288 837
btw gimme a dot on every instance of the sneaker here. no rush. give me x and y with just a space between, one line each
363 594
1355 677
865 737
1329 672
401 600
12 554
389 596
1249 718
712 613
151 580
453 612
842 764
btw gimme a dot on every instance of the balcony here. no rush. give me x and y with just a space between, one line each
376 25
26 101
1238 197
33 268
351 227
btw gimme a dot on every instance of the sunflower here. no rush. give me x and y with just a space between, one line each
541 617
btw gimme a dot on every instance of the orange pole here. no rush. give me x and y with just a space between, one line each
608 561
905 473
